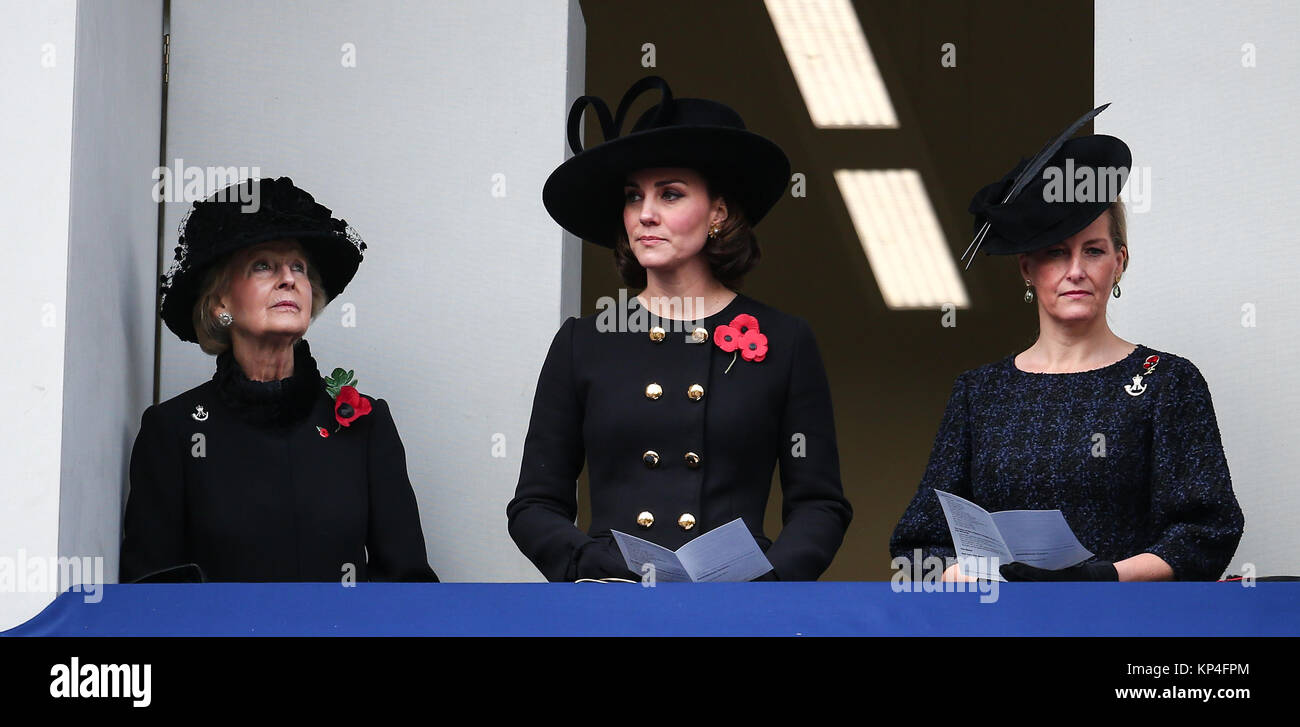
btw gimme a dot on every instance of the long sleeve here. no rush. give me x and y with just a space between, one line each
542 513
154 526
1193 509
815 513
395 540
923 525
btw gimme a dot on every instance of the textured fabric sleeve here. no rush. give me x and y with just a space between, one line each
541 515
394 540
923 525
154 527
1194 511
815 513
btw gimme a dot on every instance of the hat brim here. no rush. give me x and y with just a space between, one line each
1074 223
585 193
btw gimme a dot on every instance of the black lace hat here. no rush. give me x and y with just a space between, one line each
245 214
585 193
1048 198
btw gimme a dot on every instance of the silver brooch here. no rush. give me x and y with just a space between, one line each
199 414
1137 387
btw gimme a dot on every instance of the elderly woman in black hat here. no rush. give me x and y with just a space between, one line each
683 406
267 472
1120 437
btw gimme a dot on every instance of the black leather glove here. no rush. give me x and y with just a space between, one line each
601 558
1094 570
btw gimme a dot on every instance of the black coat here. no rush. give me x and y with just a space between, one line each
270 499
591 404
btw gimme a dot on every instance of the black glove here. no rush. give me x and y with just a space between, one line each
597 559
1095 570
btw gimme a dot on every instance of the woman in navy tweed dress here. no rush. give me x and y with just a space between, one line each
1118 436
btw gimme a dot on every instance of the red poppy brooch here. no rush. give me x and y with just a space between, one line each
349 405
741 337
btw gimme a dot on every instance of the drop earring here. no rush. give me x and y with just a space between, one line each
1115 289
1029 292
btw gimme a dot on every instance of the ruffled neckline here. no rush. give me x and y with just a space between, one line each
270 403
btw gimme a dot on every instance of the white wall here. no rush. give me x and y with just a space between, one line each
37 54
1219 139
461 290
112 267
80 134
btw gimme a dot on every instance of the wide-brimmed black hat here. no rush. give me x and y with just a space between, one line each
585 193
1048 198
248 213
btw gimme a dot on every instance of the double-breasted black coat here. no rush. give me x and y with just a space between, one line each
235 476
677 445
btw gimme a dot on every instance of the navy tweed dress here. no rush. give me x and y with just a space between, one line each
1140 472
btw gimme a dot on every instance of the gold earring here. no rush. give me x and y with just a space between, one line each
1029 292
1115 289
714 229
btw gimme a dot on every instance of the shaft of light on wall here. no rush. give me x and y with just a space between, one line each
900 234
832 64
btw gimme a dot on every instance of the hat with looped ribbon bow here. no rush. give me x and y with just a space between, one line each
585 193
1048 198
249 213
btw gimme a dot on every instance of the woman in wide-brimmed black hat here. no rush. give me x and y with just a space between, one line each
1120 437
267 472
682 402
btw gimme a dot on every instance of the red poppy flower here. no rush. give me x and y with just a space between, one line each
323 431
349 406
727 338
753 346
745 323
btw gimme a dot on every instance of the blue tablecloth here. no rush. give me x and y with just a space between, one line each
740 609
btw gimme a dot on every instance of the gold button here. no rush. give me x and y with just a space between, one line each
645 519
696 392
692 460
657 334
651 458
686 521
699 335
654 391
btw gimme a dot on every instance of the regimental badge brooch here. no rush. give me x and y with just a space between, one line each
199 414
1137 387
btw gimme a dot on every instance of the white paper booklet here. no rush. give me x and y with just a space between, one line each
1040 538
726 553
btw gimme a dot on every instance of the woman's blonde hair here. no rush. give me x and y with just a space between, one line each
1119 228
214 338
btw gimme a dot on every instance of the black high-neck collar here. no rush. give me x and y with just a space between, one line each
270 403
